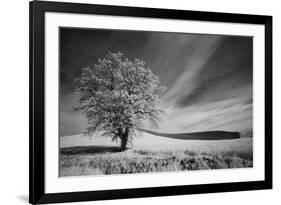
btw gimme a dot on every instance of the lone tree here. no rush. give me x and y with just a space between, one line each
117 96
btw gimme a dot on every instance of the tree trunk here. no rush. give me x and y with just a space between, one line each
124 136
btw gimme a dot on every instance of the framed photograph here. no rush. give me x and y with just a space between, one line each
130 102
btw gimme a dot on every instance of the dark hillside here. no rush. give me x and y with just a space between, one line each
209 135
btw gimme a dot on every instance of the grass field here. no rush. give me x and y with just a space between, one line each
151 153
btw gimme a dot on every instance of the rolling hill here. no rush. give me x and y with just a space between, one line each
158 152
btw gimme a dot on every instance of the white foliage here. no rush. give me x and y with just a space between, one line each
118 93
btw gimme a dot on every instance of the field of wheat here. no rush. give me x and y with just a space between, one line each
133 161
152 154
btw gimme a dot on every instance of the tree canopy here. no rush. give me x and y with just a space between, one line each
117 96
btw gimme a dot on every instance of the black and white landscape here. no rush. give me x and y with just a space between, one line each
137 102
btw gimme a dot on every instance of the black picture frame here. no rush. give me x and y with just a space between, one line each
37 194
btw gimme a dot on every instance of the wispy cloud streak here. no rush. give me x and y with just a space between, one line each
200 55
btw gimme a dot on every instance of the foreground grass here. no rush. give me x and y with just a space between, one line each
138 161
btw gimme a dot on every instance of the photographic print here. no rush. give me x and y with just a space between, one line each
145 102
130 102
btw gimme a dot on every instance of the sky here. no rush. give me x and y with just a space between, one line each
208 78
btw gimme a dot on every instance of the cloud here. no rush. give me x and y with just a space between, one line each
214 91
185 83
223 70
230 115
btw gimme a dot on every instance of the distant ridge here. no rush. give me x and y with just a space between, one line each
208 135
